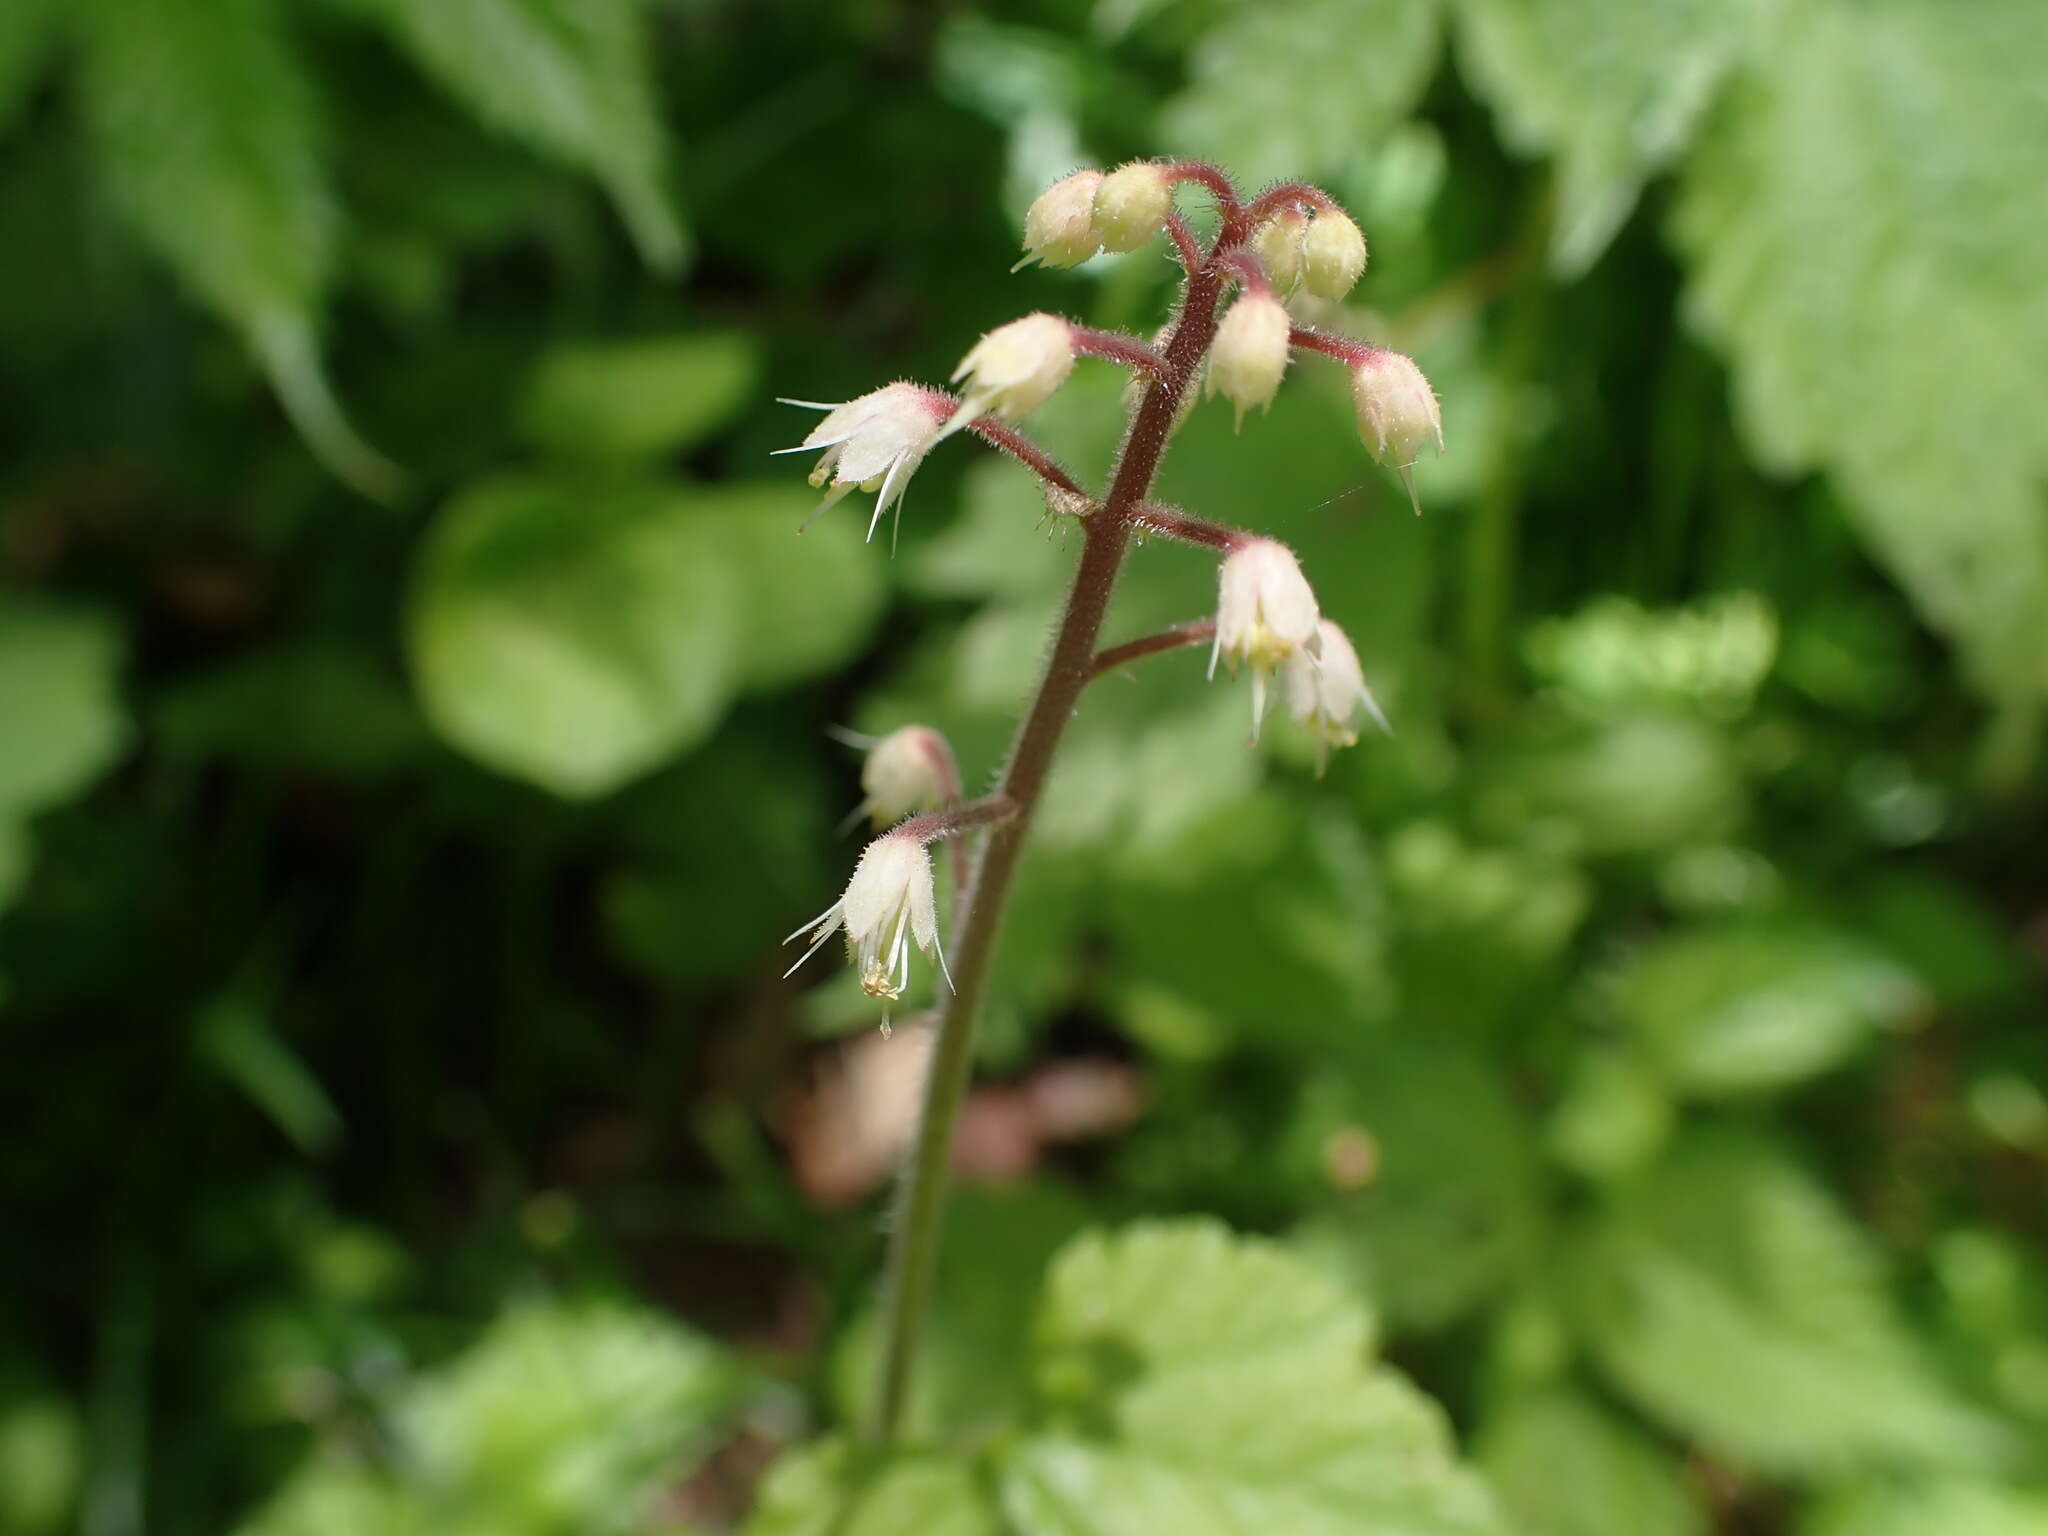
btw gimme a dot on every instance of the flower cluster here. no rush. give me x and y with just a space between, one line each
1233 334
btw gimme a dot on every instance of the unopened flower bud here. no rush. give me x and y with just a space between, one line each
1397 412
1278 246
907 770
1059 228
1325 690
1333 254
1014 369
1265 613
1249 355
874 443
1131 205
888 907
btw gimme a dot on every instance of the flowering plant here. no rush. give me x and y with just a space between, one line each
1266 618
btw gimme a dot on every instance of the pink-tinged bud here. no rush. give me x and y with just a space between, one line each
1249 355
1132 204
888 907
1397 411
907 770
1326 689
1333 254
1059 229
1265 613
1014 369
874 443
1278 245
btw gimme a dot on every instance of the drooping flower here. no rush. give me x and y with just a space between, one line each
1325 689
1397 411
1059 227
1249 355
888 908
1132 204
874 443
908 770
1014 369
1265 613
1333 254
1278 245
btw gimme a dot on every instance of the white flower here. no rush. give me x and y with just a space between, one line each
1132 204
874 443
1278 246
1059 227
1325 688
1265 613
1333 254
888 907
1014 369
1397 411
1249 355
907 770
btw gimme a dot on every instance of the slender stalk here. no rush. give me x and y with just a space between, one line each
1286 194
1172 523
998 433
913 1250
1115 347
1194 632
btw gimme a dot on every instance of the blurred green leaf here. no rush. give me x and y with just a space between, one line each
1292 88
206 133
1564 1466
239 1040
1857 250
42 1459
1613 94
1646 781
571 78
1203 1383
1733 1300
574 633
1751 1006
621 401
1614 657
832 1489
560 1418
1920 1509
58 695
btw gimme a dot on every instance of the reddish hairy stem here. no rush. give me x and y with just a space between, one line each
1274 198
1000 434
1342 348
1211 176
1194 632
929 827
1119 348
1172 523
1247 269
1105 538
1185 243
946 769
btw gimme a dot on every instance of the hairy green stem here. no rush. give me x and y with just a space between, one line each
914 1244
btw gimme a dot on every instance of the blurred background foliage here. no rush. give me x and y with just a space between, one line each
412 708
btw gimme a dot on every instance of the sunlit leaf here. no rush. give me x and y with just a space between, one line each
1857 249
833 1489
1730 1297
1564 1466
627 400
64 722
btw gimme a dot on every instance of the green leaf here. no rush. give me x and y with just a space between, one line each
206 133
1858 251
1288 88
617 401
1204 1384
42 1457
574 634
561 1418
1613 93
571 78
831 1489
1730 1297
59 676
1564 1466
1748 1007
320 705
240 1041
1922 1509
